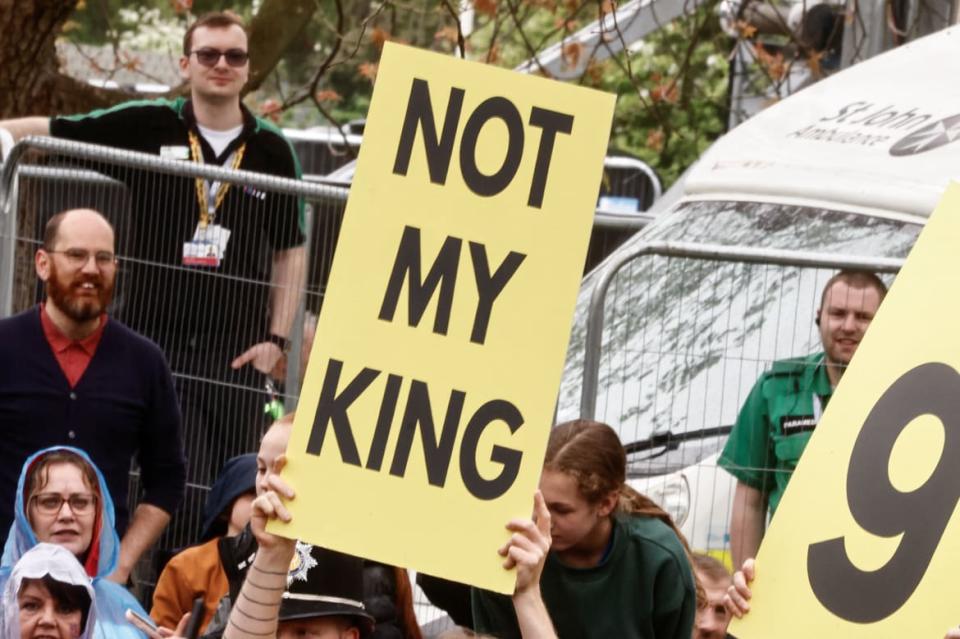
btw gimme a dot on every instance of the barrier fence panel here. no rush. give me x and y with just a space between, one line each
205 307
324 149
628 188
671 335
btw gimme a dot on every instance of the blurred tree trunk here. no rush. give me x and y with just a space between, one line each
30 81
278 23
30 78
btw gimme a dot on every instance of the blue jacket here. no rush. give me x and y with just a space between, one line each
112 599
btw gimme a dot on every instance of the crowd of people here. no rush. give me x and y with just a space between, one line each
89 393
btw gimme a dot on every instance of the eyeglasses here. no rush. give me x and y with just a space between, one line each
51 503
78 257
208 56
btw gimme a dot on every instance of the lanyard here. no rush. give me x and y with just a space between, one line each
204 189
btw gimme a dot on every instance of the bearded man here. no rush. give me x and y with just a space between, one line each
72 376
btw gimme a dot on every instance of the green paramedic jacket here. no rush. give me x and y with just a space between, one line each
775 424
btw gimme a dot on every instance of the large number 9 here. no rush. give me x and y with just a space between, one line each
879 508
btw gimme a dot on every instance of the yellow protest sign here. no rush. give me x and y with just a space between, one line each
866 542
430 391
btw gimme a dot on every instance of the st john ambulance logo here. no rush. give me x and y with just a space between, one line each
929 137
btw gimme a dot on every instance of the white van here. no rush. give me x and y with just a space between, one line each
688 313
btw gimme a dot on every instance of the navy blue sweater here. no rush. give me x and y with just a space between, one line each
123 405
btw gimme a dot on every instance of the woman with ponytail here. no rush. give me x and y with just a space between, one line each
618 566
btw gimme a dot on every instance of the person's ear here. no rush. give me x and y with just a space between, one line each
41 261
608 503
817 319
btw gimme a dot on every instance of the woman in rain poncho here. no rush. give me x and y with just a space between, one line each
43 513
48 594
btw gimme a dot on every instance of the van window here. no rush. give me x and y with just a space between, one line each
685 339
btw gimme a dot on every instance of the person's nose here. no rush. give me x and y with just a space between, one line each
66 512
263 485
90 266
47 617
850 322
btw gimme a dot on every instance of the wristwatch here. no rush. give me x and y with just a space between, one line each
282 342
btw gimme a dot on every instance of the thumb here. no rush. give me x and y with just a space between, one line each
182 626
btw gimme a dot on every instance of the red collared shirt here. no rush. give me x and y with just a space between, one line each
73 355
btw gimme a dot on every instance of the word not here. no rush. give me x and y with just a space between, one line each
878 507
443 274
437 451
439 150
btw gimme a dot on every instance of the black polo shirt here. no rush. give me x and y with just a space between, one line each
219 309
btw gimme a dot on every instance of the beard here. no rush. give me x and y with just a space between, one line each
66 295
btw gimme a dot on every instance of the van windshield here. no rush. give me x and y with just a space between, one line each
684 340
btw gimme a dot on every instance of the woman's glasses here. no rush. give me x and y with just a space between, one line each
208 56
51 503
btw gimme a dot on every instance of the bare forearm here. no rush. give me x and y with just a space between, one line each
747 523
20 128
147 524
532 615
288 277
254 615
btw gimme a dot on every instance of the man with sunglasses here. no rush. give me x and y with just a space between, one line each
218 266
72 376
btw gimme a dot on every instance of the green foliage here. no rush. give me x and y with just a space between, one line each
675 104
672 88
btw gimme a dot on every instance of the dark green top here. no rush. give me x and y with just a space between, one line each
775 424
642 589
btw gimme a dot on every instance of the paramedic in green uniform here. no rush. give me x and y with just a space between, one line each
785 405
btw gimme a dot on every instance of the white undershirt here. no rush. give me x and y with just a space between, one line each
219 140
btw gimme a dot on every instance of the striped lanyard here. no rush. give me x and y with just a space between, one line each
208 210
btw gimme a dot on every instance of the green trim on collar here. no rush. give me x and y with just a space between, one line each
157 102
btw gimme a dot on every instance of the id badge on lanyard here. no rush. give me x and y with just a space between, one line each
208 245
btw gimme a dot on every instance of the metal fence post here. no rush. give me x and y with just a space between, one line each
293 382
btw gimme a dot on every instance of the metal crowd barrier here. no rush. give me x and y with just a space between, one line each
669 339
224 410
703 252
45 175
627 190
323 150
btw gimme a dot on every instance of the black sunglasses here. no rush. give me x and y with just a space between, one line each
208 56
